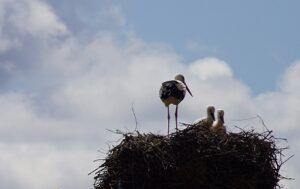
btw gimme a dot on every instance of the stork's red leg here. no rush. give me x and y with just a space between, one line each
176 112
168 121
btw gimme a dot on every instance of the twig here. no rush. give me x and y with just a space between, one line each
262 121
93 171
287 159
119 132
244 119
135 119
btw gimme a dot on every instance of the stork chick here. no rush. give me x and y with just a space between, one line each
218 125
208 121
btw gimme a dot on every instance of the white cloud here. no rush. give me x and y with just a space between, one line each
6 44
38 166
19 18
291 79
281 108
35 18
209 68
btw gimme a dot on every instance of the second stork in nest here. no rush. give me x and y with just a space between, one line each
208 120
218 125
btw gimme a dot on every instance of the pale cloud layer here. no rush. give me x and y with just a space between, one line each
210 68
55 108
33 18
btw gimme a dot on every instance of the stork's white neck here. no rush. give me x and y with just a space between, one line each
180 82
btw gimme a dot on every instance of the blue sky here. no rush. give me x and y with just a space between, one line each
71 70
257 38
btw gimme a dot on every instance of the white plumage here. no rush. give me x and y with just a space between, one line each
208 120
218 125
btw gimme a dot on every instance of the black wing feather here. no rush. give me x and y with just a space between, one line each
169 88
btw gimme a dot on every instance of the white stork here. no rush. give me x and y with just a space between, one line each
173 92
218 125
207 121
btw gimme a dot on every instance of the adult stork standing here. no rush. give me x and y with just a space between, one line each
173 92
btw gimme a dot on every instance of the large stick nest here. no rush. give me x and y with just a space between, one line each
192 158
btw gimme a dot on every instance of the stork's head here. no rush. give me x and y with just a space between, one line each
220 114
211 112
180 77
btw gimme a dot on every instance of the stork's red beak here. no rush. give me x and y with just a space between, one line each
187 88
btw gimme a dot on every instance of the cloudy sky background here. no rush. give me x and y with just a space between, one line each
69 71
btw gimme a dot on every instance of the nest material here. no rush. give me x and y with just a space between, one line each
192 158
